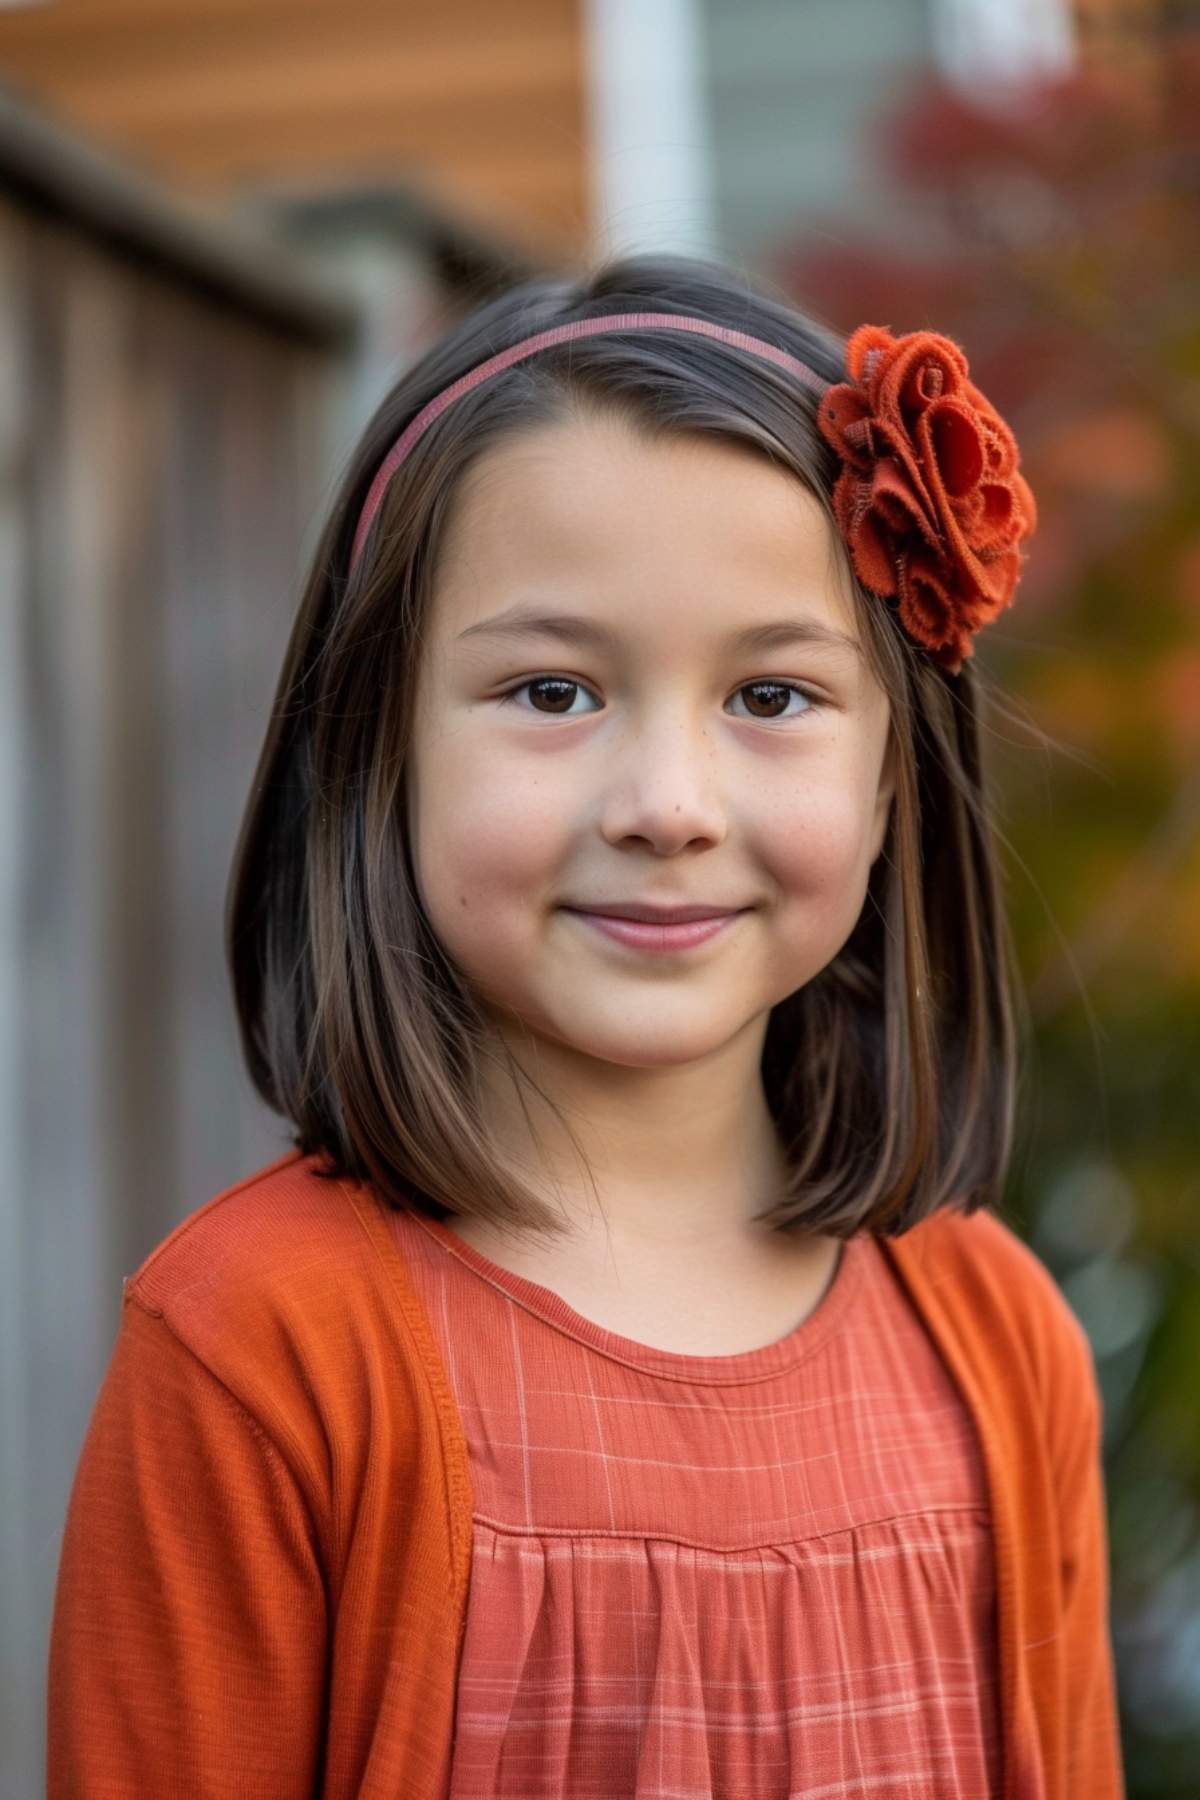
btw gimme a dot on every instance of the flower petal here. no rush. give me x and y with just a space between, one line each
870 546
956 444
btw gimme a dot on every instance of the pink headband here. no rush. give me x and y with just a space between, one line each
930 501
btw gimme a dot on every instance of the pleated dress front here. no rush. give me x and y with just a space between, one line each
764 1576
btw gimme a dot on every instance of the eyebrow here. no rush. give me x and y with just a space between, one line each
525 621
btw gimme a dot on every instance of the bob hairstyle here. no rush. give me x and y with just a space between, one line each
891 1075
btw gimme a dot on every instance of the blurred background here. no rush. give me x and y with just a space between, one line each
224 227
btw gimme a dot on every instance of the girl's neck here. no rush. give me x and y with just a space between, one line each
691 1185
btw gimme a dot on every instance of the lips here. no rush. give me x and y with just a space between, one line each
653 936
654 915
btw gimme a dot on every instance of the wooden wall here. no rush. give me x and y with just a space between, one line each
165 443
480 103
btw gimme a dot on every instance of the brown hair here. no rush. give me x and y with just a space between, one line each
891 1075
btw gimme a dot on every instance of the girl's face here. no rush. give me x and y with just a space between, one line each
636 751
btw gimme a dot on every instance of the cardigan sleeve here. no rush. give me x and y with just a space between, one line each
1089 1713
188 1636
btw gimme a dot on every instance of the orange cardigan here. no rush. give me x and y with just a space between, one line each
263 1578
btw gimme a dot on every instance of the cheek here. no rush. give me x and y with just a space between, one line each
484 841
818 842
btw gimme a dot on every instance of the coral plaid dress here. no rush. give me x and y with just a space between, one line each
764 1575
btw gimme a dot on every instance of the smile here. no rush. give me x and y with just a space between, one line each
640 934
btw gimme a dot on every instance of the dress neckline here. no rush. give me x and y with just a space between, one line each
802 1341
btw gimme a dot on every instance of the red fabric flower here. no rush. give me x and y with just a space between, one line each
930 502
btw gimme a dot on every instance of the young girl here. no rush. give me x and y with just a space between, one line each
624 1387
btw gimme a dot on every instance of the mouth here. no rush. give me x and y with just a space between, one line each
654 934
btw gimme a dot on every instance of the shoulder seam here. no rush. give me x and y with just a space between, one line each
263 1437
179 1231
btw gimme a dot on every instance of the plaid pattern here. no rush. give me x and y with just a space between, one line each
761 1575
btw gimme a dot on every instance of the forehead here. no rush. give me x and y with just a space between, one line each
684 527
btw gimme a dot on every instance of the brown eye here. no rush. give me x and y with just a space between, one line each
769 695
557 689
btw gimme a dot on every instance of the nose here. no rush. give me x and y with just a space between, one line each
664 786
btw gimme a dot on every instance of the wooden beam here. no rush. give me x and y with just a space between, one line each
49 170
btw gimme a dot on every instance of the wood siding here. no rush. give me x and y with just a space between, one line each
480 106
